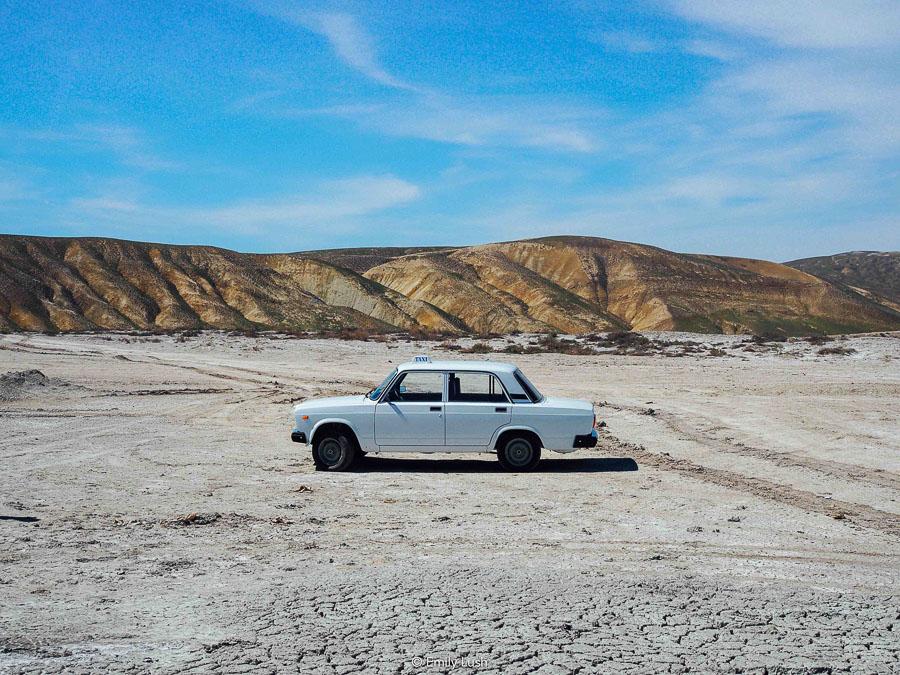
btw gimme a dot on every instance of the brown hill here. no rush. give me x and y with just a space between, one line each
874 274
564 284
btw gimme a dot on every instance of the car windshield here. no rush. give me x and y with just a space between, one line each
530 390
376 392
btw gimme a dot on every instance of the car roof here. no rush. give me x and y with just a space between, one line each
493 366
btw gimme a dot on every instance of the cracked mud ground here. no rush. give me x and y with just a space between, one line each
155 518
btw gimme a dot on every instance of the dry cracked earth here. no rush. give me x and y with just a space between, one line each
740 515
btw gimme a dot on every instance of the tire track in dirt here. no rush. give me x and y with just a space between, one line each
208 372
24 347
857 514
263 378
782 459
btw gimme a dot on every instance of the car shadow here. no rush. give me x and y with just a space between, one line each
370 464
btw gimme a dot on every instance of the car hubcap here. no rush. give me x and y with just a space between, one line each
330 450
518 453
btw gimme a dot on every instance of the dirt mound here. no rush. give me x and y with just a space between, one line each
19 383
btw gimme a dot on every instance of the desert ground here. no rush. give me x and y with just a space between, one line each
740 514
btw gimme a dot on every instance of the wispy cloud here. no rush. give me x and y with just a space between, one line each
332 204
127 144
333 201
861 102
354 46
712 49
783 140
428 113
349 41
710 212
629 42
633 43
802 23
474 121
12 190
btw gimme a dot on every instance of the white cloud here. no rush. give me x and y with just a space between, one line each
471 121
349 41
12 190
109 204
128 144
486 121
859 102
826 100
630 42
333 201
717 211
711 49
331 204
802 23
354 46
427 113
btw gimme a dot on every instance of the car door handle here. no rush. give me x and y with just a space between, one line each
499 409
435 408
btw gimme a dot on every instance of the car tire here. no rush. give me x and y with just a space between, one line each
519 453
334 452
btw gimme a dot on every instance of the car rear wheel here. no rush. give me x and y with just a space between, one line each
519 453
334 452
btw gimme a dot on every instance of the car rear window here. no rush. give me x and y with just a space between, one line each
531 394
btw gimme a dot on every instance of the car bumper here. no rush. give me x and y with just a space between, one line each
298 437
586 440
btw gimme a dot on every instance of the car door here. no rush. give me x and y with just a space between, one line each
477 405
411 414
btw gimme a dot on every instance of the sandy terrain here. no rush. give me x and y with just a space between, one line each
740 514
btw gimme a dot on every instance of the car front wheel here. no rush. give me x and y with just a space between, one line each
334 453
519 453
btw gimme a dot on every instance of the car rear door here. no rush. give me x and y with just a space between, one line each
477 405
412 411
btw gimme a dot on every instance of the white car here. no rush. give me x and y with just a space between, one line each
445 406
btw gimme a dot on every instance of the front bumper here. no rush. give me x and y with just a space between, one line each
298 436
586 440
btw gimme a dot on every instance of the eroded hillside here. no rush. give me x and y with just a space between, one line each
577 284
562 284
874 274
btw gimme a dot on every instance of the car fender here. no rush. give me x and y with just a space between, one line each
513 427
335 420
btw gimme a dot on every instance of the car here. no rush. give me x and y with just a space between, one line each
445 406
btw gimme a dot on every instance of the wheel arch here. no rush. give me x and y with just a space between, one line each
519 430
333 424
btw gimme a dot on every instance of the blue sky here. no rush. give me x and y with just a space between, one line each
762 129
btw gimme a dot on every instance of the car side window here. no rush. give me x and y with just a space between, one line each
475 388
418 387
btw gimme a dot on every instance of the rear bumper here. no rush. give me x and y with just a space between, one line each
586 440
298 437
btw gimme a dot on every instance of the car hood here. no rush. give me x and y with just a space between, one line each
331 402
570 403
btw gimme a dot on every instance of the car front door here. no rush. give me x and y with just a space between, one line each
476 407
411 414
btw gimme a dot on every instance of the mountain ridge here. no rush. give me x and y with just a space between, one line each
567 284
